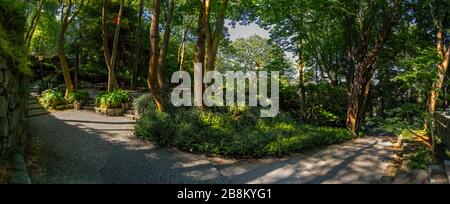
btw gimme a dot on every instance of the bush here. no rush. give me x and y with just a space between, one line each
419 159
77 96
326 105
52 98
234 132
112 99
143 104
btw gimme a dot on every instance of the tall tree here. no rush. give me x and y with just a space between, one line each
368 55
158 54
443 49
213 36
33 24
111 58
137 46
67 16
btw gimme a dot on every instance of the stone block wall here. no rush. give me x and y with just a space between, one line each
13 112
14 72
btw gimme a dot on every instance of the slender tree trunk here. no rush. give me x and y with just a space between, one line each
444 52
200 49
110 58
33 24
114 83
213 39
165 45
301 78
65 20
181 49
152 80
78 64
134 79
64 63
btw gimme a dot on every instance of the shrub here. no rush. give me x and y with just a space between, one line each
419 159
235 131
77 96
112 99
143 104
51 98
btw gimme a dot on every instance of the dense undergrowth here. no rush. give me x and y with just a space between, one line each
234 131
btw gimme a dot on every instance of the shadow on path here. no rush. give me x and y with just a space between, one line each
108 153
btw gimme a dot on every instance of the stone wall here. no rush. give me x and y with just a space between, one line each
443 129
12 109
13 74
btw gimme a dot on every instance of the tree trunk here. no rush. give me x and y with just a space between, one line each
214 39
364 70
200 49
110 59
165 45
437 85
152 79
442 67
134 78
65 20
114 84
78 64
363 102
63 61
181 49
33 24
301 78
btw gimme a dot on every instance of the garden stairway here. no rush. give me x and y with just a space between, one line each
34 108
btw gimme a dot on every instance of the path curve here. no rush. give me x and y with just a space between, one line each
83 147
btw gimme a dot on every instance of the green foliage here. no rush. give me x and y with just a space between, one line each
252 54
143 104
238 131
12 24
77 96
51 98
326 105
420 71
406 116
112 99
419 158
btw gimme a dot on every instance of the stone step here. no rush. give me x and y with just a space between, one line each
130 111
133 117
